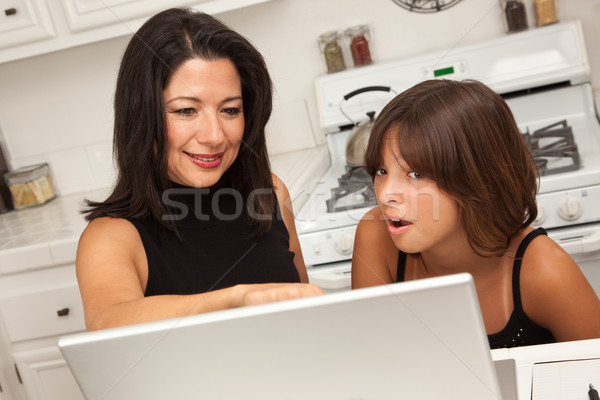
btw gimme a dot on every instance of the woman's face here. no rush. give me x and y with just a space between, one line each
205 121
418 214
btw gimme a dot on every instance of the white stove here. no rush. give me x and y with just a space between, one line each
543 74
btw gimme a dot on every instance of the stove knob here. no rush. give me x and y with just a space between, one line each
570 208
344 244
541 217
317 249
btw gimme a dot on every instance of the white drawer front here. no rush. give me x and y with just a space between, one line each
51 312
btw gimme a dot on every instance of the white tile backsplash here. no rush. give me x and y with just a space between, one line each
71 171
289 128
76 169
100 159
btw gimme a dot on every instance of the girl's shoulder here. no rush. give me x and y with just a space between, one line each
554 291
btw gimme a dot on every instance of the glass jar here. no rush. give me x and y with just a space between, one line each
515 16
545 10
30 186
332 51
359 37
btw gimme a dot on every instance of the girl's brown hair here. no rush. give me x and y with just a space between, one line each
463 136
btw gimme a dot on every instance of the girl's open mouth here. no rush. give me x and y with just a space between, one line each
397 226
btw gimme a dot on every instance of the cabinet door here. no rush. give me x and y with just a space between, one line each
24 21
128 15
87 14
46 376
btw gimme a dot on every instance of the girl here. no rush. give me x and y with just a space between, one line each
456 188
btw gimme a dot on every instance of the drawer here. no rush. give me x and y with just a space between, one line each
55 311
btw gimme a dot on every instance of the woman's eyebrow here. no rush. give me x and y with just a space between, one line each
190 98
197 100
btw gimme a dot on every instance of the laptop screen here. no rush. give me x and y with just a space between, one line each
416 339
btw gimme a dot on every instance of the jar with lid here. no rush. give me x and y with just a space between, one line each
359 37
332 51
545 10
30 186
515 16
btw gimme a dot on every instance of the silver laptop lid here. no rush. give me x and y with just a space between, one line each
417 339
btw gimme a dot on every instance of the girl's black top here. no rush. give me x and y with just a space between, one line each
520 330
215 249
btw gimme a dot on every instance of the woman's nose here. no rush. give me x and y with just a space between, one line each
210 129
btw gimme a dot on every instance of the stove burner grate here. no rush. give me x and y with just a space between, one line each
355 191
551 143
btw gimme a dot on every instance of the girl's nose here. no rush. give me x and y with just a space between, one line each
390 191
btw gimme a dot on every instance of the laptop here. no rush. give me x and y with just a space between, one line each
410 340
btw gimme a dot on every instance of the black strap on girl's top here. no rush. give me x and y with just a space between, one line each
401 266
517 264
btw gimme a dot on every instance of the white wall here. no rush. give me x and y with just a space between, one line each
57 107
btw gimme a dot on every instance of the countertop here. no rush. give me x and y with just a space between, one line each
47 235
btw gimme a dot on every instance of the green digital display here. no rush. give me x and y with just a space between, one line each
443 71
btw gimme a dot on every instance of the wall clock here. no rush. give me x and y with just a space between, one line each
426 6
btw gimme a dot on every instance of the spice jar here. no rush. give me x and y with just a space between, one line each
545 11
515 15
30 186
359 44
332 51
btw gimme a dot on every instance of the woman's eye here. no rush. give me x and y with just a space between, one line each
185 111
380 172
232 111
415 175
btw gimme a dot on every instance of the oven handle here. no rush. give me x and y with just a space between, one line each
584 245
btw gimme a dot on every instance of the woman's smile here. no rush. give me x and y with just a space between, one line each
207 161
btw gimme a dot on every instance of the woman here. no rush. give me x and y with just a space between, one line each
196 221
456 188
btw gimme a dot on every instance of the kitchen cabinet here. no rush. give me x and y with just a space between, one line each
31 27
36 307
24 22
46 376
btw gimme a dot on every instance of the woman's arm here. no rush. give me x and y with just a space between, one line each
556 294
285 205
374 255
112 272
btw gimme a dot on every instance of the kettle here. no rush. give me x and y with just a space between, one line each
356 146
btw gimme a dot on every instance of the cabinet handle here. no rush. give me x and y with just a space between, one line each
10 11
63 313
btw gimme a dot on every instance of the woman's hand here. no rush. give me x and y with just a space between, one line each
271 292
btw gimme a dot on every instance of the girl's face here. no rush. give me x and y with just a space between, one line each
205 121
418 214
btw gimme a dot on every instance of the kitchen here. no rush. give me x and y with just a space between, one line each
78 148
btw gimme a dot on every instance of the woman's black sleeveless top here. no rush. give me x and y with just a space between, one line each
215 249
520 330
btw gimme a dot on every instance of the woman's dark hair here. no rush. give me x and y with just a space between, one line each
463 136
162 44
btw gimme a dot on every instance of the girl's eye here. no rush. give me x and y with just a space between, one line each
380 172
415 175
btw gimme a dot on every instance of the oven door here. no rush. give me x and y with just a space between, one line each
583 244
